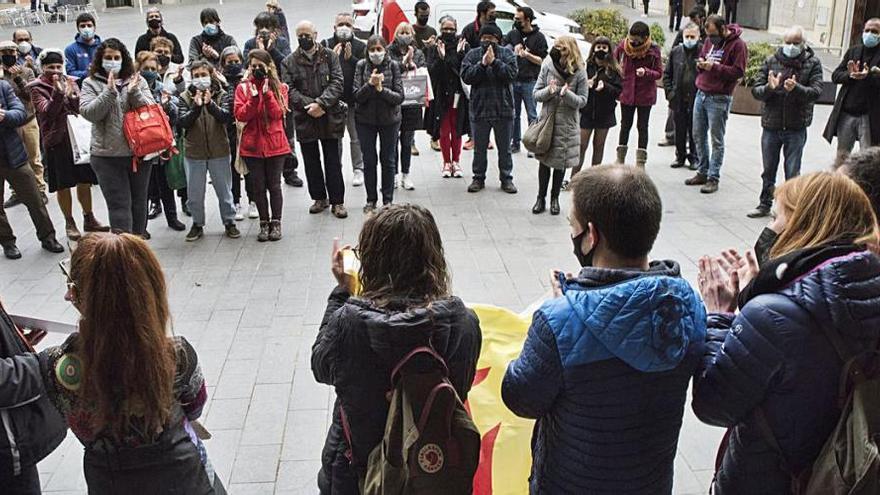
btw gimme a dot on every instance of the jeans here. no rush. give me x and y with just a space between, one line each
523 93
265 174
22 180
627 115
710 121
403 160
387 136
124 191
482 128
324 182
357 158
791 143
852 128
221 178
685 149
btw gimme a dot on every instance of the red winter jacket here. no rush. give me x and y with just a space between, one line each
640 91
263 116
730 63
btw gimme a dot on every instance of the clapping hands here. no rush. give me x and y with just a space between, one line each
722 278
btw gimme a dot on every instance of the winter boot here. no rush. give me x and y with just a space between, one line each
72 230
621 155
641 158
91 224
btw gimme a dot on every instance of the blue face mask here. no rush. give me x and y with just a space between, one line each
87 33
211 29
112 66
870 40
150 76
689 43
791 50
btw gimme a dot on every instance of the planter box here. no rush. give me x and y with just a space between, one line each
744 103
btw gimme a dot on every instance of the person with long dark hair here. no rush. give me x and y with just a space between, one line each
448 115
113 88
405 302
232 68
260 104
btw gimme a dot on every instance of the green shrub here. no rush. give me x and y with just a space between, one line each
658 35
758 53
602 22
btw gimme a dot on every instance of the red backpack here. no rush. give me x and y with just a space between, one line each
148 131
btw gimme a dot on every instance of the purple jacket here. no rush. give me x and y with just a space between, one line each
730 64
52 109
640 91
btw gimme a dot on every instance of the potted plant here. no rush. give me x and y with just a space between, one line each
743 101
601 22
658 36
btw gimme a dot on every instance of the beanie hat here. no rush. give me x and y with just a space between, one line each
492 29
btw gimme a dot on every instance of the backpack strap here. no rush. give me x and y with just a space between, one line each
429 403
346 432
413 353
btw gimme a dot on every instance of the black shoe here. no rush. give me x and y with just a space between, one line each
508 187
554 206
155 210
146 235
514 149
52 245
195 233
697 180
263 236
275 230
676 164
232 231
540 206
477 185
665 143
12 201
293 180
11 251
175 224
760 212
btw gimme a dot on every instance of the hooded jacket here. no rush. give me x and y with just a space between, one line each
730 63
775 355
78 56
357 347
605 369
789 110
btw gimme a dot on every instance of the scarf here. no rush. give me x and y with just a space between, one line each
637 51
792 66
779 272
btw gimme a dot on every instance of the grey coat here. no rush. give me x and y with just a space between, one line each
105 108
566 149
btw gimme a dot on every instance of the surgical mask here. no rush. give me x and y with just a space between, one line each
87 33
791 50
24 48
405 39
8 60
211 29
201 83
422 20
232 70
585 259
260 73
870 40
600 54
689 44
377 58
112 66
150 76
154 23
164 60
344 33
715 39
306 43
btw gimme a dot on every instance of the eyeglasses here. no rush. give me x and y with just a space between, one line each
65 269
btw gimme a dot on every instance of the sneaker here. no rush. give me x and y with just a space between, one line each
468 145
697 180
239 215
476 186
665 143
407 182
413 150
759 212
155 210
195 233
339 211
232 231
447 170
358 179
508 187
396 181
319 206
491 145
530 154
253 212
456 170
12 201
435 144
710 186
370 208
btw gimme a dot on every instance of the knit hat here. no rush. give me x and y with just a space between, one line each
51 57
8 45
492 29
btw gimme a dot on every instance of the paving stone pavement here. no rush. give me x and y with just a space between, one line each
252 309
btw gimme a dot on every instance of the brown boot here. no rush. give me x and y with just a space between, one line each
91 224
71 230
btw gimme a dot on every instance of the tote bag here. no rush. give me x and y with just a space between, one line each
79 130
538 138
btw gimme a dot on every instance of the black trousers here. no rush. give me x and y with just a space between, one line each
714 6
730 11
290 162
324 182
265 174
684 131
544 181
26 483
628 114
675 12
159 190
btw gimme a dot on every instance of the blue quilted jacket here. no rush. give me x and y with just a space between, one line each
775 355
605 370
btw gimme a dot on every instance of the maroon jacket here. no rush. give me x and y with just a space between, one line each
52 109
640 91
730 63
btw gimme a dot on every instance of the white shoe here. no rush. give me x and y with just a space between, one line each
456 170
447 170
239 215
396 181
253 212
407 183
358 179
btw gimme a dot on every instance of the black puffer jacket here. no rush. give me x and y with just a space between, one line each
373 108
787 110
775 355
357 347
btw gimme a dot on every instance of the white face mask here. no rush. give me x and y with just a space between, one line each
202 83
344 33
377 57
112 66
24 48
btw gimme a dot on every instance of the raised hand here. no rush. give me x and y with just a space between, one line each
337 265
206 97
773 80
790 83
600 85
489 56
133 82
111 81
640 72
719 290
431 41
441 49
552 85
857 70
197 99
563 90
462 45
347 52
338 49
374 79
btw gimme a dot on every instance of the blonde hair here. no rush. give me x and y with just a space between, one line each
821 208
573 61
401 27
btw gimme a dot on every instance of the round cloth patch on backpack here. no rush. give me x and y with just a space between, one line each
431 458
68 371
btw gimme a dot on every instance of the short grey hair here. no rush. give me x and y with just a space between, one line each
690 26
230 50
448 18
342 14
795 31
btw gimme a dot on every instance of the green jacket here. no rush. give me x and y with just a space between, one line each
205 126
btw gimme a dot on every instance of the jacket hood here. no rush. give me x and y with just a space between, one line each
735 32
648 319
80 41
396 329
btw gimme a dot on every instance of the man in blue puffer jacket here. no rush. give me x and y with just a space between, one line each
606 364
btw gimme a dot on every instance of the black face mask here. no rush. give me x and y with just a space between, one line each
491 18
232 70
164 60
422 20
154 23
487 44
600 54
518 25
8 60
764 244
585 259
259 73
448 39
716 39
306 43
556 56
